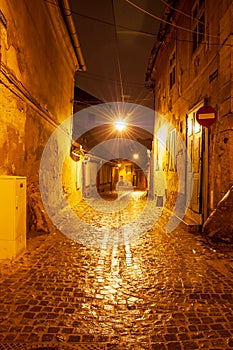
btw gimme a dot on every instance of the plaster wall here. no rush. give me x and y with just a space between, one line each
203 75
36 91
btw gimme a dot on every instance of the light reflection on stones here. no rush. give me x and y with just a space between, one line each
131 292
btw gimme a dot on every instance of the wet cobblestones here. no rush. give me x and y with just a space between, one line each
165 291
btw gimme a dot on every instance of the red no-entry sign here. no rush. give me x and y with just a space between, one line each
206 115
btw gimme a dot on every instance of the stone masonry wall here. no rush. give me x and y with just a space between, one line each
203 76
36 91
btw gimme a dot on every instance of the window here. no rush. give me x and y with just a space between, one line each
172 150
201 3
172 69
159 97
198 24
3 36
201 28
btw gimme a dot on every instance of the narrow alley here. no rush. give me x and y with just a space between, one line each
161 291
116 176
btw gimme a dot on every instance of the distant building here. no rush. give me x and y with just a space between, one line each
82 99
191 66
99 175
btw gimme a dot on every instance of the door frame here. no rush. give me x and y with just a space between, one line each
204 169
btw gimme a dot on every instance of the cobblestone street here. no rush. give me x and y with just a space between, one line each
163 291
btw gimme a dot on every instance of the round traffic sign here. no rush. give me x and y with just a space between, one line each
206 115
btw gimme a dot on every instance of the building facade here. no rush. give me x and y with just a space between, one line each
39 55
99 170
191 66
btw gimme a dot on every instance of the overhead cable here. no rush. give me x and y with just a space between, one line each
117 52
103 21
141 31
179 11
164 21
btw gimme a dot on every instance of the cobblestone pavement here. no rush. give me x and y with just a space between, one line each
165 291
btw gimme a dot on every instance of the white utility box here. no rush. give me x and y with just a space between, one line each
12 216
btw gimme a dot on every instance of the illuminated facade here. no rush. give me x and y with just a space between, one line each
39 58
191 66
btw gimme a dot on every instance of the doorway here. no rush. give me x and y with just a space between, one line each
197 168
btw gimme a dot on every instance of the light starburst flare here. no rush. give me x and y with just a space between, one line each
120 125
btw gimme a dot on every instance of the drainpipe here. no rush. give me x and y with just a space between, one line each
65 5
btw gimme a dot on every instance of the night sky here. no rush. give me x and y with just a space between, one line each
114 52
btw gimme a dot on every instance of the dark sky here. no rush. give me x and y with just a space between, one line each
103 47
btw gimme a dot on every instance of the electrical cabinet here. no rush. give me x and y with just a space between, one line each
12 216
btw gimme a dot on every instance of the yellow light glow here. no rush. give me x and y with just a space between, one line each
197 127
135 155
120 125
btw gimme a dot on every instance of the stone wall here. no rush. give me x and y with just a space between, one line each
203 76
219 225
38 64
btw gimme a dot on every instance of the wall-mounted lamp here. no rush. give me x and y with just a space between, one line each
76 151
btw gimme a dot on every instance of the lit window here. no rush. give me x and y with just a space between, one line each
172 150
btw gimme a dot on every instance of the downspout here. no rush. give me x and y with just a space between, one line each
73 34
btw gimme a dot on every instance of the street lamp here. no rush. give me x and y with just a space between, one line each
120 125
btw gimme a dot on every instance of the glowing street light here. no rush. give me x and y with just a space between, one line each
120 125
